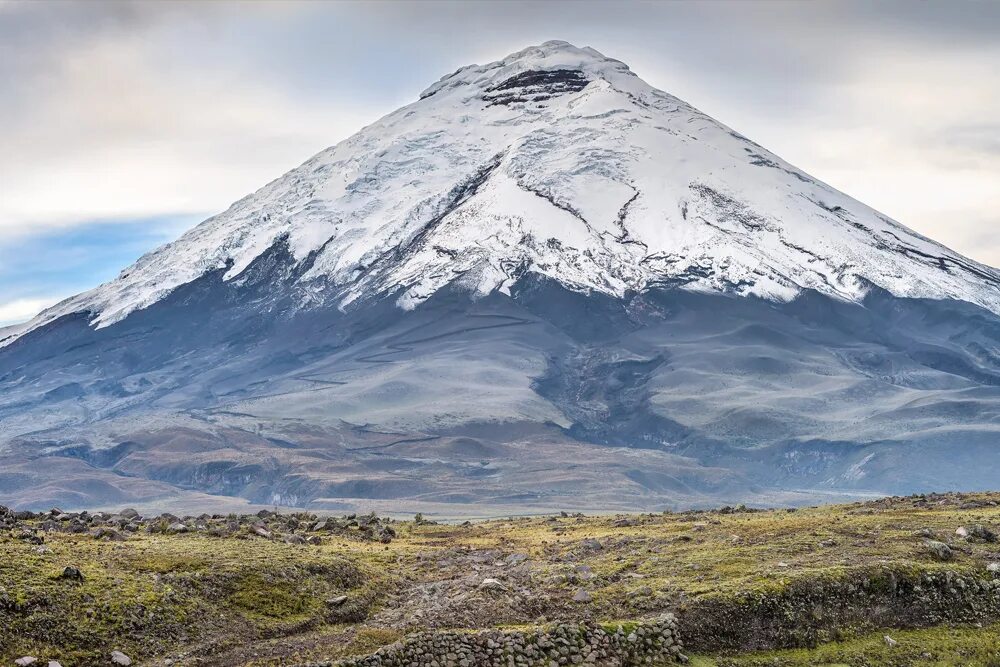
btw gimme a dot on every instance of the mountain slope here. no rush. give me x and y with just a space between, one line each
543 284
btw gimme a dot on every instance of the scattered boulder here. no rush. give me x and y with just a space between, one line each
337 601
25 661
515 559
298 528
980 532
490 584
108 534
119 658
582 595
30 536
939 550
72 573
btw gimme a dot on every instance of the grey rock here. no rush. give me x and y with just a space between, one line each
119 658
108 534
515 559
490 584
980 532
939 550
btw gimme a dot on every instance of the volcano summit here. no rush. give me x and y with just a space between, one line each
544 284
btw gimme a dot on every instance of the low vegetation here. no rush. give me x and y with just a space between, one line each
936 647
899 581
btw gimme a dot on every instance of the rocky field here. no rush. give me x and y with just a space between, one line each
898 581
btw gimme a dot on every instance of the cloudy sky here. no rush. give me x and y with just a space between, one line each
124 123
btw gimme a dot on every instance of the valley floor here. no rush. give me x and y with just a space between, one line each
824 585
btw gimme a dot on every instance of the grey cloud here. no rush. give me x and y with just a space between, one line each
981 139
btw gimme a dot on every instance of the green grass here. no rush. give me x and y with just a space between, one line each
142 595
933 647
155 594
282 600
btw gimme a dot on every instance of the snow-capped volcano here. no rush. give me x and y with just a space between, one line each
559 161
543 284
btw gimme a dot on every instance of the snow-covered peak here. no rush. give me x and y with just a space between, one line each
550 56
558 161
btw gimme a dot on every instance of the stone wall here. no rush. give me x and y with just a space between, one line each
650 642
813 611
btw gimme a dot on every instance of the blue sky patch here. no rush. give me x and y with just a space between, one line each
61 262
